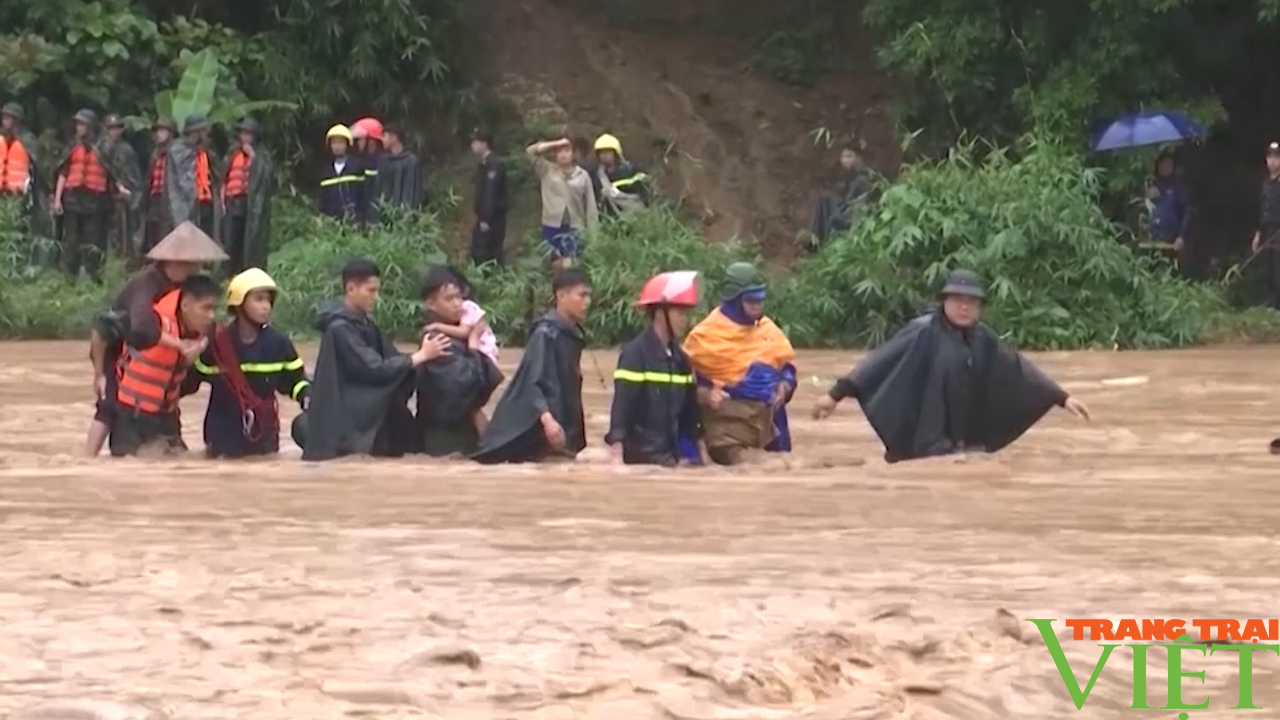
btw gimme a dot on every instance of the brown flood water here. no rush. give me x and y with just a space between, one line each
811 587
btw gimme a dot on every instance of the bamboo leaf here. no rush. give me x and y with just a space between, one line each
194 95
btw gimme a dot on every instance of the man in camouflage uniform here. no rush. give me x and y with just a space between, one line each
125 232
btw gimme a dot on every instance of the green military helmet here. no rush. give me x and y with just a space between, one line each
113 121
166 123
248 124
14 110
740 278
86 116
195 123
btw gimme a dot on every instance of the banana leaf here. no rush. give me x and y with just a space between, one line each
227 114
194 95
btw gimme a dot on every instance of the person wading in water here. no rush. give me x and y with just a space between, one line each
247 364
131 320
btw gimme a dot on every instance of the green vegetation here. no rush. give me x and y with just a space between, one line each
1061 275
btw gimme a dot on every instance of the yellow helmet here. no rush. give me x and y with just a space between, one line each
339 131
245 283
608 142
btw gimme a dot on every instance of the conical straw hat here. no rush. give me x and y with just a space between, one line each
187 243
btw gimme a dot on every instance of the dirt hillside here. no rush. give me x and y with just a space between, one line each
737 147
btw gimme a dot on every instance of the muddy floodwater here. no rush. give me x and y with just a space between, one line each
826 585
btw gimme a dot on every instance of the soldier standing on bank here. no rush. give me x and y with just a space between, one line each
125 232
83 198
1267 237
18 156
247 189
191 180
159 222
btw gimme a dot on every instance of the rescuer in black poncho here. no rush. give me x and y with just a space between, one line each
362 383
946 384
540 415
655 419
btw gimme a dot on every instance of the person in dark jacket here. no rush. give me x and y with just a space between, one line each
619 183
125 232
490 231
342 183
837 210
399 182
246 364
655 418
540 415
362 383
1170 203
191 177
452 390
1267 237
131 320
946 384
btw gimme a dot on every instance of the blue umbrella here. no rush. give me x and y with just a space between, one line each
1148 128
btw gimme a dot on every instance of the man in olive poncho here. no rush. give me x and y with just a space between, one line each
84 196
191 179
158 222
125 232
247 187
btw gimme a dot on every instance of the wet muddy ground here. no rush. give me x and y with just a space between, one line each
826 586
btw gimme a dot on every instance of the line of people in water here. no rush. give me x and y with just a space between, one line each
944 384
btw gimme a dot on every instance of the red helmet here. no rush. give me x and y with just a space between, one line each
671 288
370 127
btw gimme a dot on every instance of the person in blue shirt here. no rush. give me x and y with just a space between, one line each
247 364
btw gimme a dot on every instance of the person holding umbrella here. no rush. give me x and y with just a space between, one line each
1267 236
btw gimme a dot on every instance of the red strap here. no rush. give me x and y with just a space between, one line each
253 407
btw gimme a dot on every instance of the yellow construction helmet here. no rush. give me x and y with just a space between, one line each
338 131
245 283
608 142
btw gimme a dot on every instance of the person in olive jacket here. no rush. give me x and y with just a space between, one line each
655 418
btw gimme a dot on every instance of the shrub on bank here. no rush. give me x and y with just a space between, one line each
1060 275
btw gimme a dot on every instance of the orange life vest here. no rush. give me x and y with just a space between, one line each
84 171
157 175
204 189
15 166
151 379
238 175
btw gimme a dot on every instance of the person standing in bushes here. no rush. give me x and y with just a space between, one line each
655 419
540 415
1170 203
569 208
132 322
399 182
342 183
452 390
19 157
622 185
362 383
946 384
367 137
83 198
157 211
191 181
150 379
248 186
489 235
745 369
1267 237
837 210
246 364
125 228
